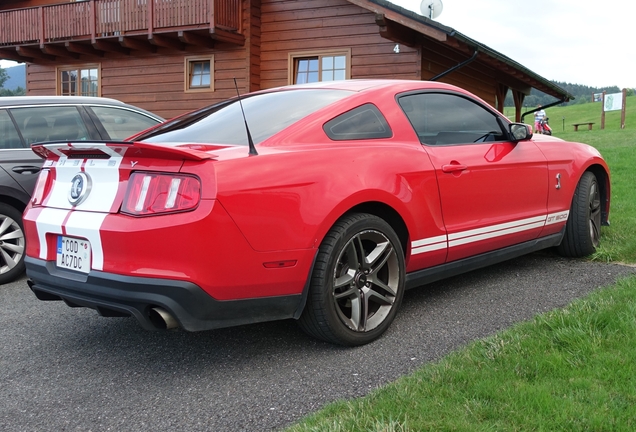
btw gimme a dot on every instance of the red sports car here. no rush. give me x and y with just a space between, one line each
319 202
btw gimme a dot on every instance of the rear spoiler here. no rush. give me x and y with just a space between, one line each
117 149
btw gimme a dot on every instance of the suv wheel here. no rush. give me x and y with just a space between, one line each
12 244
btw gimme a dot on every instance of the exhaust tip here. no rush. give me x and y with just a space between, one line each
161 319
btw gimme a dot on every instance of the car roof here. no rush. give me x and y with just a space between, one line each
20 101
37 100
359 85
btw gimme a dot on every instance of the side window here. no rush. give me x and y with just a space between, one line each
120 123
9 137
363 122
442 119
51 123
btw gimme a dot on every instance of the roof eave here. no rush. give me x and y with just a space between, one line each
452 37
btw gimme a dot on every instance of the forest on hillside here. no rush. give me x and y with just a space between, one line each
582 94
4 77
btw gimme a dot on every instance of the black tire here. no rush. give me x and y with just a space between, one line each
357 284
583 228
12 244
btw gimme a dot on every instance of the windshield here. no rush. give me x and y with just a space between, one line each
266 114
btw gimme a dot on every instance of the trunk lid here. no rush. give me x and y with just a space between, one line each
93 176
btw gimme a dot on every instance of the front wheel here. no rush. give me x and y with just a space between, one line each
583 229
357 284
12 244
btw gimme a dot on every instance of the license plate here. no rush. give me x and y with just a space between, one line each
74 254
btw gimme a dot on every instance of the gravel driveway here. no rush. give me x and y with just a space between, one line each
69 369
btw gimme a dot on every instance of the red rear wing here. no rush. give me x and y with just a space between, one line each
108 149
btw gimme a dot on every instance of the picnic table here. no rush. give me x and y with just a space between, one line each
576 125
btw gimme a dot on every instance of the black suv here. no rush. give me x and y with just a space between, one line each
25 120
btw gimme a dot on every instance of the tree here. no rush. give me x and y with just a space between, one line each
582 94
3 76
17 92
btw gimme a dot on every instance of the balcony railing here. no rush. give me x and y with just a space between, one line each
100 18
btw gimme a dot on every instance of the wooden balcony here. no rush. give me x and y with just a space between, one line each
92 27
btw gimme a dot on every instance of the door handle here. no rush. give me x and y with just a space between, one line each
26 169
453 167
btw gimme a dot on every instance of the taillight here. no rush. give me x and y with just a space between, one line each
154 193
42 187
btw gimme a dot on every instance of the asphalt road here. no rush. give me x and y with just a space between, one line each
64 369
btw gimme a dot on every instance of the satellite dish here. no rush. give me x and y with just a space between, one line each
431 8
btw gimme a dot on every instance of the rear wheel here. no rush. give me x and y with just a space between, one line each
11 244
357 284
583 229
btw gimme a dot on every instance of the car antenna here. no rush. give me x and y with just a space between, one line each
250 143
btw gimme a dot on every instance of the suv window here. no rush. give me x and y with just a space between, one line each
440 119
9 137
50 123
121 123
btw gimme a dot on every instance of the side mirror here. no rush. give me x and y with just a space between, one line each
520 131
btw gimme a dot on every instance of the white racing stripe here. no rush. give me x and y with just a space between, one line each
493 234
479 234
104 174
60 217
49 220
494 231
86 225
429 244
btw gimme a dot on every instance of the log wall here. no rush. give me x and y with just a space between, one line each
153 82
272 29
310 25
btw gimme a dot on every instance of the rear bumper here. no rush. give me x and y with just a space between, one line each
116 295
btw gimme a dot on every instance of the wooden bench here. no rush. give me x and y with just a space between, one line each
576 125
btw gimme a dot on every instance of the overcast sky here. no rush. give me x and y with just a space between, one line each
575 41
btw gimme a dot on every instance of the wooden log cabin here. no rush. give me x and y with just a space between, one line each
172 56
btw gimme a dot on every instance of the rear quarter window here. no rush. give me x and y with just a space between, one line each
363 122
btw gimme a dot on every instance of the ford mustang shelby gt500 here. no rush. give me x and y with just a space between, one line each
319 202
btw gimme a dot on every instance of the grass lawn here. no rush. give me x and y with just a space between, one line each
572 369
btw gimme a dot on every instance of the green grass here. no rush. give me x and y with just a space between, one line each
618 147
572 369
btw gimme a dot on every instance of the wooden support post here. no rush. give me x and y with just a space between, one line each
603 112
41 13
623 109
502 91
518 98
212 16
93 21
151 18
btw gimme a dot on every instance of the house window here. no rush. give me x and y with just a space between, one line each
199 74
79 81
311 67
